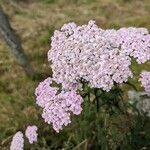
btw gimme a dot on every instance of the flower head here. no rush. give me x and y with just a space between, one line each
100 57
31 133
17 141
145 80
57 107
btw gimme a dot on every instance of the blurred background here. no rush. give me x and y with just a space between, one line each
34 21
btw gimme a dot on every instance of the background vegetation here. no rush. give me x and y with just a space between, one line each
35 21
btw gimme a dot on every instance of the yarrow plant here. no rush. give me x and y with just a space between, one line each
17 141
31 133
91 55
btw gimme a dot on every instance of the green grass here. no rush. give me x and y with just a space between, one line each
35 22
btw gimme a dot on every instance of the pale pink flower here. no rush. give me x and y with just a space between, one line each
57 107
145 80
17 141
31 133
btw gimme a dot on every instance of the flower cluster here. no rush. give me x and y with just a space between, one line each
31 134
17 141
89 54
135 42
145 80
99 57
44 92
57 107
